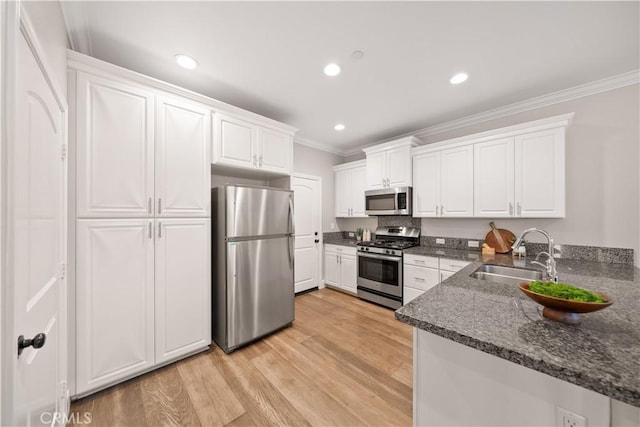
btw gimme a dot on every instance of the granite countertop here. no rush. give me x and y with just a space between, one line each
341 242
602 353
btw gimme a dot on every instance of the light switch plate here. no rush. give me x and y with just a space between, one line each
351 234
440 241
473 244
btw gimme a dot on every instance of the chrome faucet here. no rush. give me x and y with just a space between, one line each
550 265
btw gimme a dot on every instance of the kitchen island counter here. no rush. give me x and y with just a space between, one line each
601 354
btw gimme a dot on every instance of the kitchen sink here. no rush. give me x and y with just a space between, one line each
507 275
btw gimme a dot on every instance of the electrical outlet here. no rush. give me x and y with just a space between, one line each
439 241
473 244
566 418
352 234
333 226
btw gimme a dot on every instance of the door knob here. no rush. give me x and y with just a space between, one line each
37 342
317 241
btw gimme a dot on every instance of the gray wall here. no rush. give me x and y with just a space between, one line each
309 161
603 181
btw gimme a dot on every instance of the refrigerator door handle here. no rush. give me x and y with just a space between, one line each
291 237
291 223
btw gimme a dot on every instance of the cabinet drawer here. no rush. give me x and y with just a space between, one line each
452 265
420 277
410 294
422 261
346 250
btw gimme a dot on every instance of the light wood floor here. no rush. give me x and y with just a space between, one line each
344 362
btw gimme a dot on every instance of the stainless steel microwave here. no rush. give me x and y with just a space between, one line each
388 201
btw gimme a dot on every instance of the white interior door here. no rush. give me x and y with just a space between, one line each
307 200
36 242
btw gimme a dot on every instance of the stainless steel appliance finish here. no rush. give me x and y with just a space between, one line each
253 260
506 275
380 265
389 201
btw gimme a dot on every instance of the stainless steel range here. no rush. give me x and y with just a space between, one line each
380 265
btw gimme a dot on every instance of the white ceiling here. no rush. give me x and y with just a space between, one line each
268 57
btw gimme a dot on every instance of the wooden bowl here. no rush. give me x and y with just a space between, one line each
564 310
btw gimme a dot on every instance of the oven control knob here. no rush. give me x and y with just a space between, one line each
387 251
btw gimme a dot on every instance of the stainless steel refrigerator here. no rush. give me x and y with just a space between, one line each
253 256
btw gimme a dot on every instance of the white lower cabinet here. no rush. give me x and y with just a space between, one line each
182 287
114 300
340 267
422 273
142 291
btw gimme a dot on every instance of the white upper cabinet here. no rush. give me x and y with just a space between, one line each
183 160
456 182
350 185
115 149
540 174
234 142
493 178
513 172
274 150
521 176
247 145
426 188
443 183
389 164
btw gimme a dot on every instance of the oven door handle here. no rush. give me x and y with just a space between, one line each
383 257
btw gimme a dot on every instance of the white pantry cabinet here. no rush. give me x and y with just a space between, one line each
389 164
521 176
182 287
350 185
183 165
115 156
341 269
115 307
137 159
247 145
443 183
144 297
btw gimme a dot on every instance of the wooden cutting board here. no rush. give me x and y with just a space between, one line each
499 239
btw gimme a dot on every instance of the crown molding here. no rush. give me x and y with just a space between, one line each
564 95
76 22
319 146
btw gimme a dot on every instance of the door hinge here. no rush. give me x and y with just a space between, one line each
63 152
63 270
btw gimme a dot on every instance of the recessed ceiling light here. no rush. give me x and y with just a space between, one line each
339 127
185 61
332 70
459 78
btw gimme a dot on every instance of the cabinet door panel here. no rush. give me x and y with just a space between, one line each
234 142
426 189
183 164
274 152
494 180
348 273
358 187
115 145
456 186
376 170
540 174
183 287
399 167
115 320
331 268
343 193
